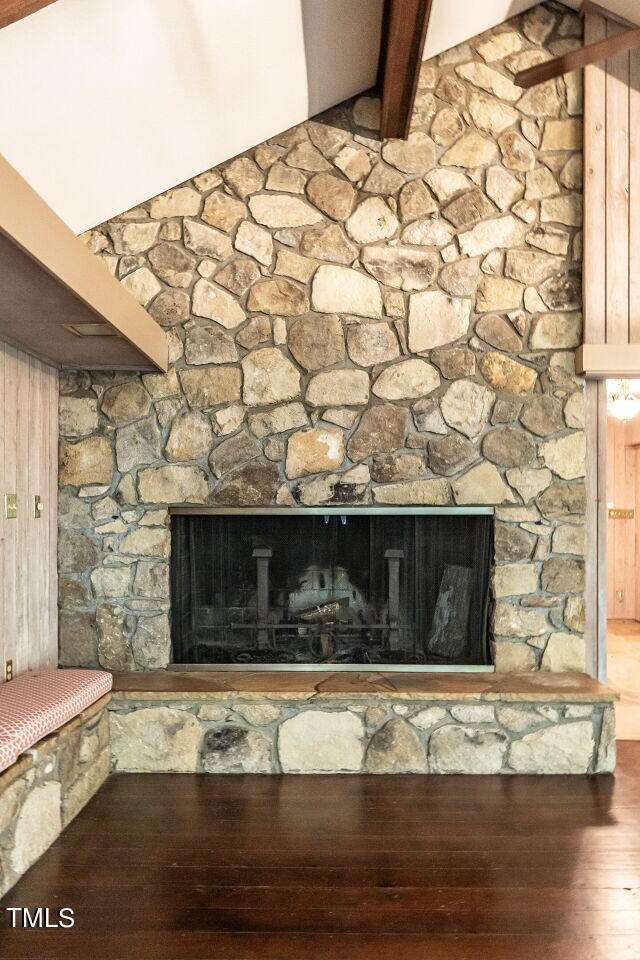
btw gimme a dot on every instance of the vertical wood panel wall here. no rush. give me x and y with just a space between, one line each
611 192
28 547
622 593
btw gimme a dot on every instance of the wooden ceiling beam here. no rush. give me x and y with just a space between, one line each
13 10
576 59
404 28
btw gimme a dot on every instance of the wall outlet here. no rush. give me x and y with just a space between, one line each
8 670
619 595
10 506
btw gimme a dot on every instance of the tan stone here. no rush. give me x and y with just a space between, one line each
499 333
514 579
78 416
565 455
460 278
490 80
516 152
569 539
395 748
254 241
415 201
256 331
430 232
353 162
481 484
416 154
425 492
502 187
87 461
190 437
317 341
459 749
223 211
383 180
155 740
173 484
529 482
562 134
471 150
321 741
466 407
347 387
243 176
436 319
328 242
132 238
504 373
207 344
366 112
563 653
179 202
490 115
372 220
290 264
170 308
269 377
285 178
215 304
499 45
564 749
142 285
147 541
556 331
490 235
278 295
511 657
314 450
278 211
369 344
235 749
208 387
447 126
307 157
406 380
341 290
38 824
279 420
498 293
172 264
333 196
566 209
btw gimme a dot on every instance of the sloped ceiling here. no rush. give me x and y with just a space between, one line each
105 103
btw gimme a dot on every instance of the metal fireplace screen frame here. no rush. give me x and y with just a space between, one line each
192 575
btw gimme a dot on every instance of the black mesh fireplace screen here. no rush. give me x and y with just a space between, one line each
358 588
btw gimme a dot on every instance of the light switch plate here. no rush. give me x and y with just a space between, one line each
37 506
8 670
11 505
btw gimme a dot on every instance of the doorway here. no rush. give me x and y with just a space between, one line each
623 542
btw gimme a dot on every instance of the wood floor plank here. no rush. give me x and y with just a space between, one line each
186 867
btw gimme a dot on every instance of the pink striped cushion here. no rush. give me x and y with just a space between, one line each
8 753
37 703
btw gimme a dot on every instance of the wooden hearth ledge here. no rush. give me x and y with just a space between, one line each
309 685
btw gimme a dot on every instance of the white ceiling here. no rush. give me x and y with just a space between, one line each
105 103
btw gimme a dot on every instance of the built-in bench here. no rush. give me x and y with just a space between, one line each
63 714
347 722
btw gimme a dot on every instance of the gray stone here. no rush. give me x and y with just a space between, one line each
448 455
542 414
252 485
234 749
567 748
170 308
210 386
233 452
155 740
78 416
114 648
321 741
126 401
454 363
382 429
467 209
397 466
508 447
207 344
206 241
511 543
510 620
172 264
238 275
562 575
138 444
564 501
395 748
459 749
499 333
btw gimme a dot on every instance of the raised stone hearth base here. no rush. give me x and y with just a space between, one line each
383 724
44 790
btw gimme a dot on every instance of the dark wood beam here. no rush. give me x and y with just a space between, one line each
13 10
576 59
404 28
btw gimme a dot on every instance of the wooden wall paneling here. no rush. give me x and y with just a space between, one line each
617 199
634 196
28 547
594 253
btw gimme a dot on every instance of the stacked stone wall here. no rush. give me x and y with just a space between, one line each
352 321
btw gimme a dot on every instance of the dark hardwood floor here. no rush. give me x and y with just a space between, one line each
181 867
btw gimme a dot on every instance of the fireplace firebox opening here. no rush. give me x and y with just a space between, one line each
359 588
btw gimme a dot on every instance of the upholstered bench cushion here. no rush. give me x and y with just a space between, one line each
8 753
37 703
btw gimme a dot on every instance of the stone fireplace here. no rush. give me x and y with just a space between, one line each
365 588
352 324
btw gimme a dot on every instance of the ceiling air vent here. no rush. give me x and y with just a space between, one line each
91 329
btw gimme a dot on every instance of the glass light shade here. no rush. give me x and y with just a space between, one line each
622 402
